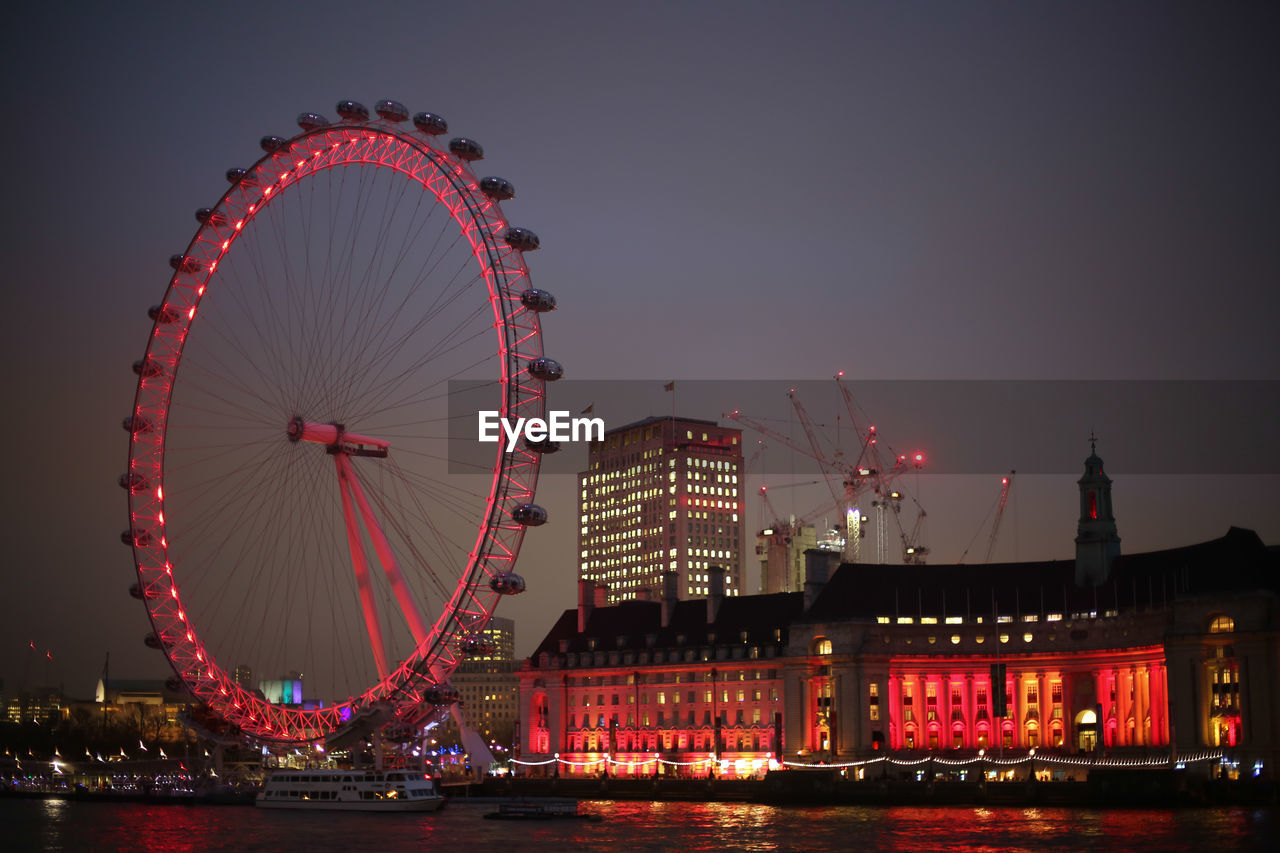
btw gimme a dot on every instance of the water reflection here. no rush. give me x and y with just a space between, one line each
632 826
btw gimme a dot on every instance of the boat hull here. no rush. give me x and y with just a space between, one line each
424 805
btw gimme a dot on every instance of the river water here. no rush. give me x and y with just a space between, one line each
58 825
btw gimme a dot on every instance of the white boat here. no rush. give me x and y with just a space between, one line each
350 790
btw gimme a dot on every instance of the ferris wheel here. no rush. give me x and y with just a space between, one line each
314 554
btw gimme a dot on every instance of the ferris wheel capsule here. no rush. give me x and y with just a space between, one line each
312 121
546 369
184 263
353 111
466 149
273 144
136 538
210 216
133 482
148 367
522 239
431 124
136 424
530 515
507 583
538 300
440 695
499 188
544 445
391 111
162 314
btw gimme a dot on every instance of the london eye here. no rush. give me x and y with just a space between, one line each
314 554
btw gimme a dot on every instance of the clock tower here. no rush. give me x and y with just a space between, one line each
1097 542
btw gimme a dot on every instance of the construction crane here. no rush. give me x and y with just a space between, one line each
1006 483
866 473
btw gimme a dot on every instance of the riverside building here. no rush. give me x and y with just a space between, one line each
1170 656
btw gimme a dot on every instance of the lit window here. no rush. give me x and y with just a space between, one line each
1222 625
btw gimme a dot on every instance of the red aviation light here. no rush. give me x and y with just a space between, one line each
918 458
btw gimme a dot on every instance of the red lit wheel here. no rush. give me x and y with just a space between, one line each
293 514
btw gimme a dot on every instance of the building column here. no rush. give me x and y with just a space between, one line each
922 715
1044 708
844 721
892 710
970 715
1160 705
1124 688
1019 705
1144 687
1113 681
944 711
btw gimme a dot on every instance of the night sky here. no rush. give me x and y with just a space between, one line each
724 190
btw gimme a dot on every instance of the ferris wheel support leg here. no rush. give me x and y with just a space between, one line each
389 564
361 566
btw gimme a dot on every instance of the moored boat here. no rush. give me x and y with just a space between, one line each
350 790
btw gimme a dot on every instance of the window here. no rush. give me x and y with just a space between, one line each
822 646
1222 625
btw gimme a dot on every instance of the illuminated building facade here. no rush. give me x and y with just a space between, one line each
672 688
1157 656
660 495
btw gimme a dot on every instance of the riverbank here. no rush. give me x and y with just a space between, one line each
1101 789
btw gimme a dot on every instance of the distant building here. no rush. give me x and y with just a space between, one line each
156 708
780 550
1171 656
487 685
38 706
659 495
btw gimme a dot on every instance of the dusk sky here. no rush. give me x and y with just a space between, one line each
751 191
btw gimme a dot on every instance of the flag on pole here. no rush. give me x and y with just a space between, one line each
588 410
670 386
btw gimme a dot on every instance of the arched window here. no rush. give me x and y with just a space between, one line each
1222 625
822 646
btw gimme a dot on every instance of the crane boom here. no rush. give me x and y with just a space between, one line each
1006 483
